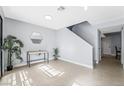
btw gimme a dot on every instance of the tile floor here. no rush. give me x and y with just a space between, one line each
59 73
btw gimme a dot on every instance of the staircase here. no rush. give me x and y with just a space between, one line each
74 29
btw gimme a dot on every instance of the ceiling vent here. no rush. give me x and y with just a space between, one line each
61 8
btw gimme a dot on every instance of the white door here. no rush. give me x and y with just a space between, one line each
106 46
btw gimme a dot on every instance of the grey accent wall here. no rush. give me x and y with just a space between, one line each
115 41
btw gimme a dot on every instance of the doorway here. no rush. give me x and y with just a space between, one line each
106 46
110 45
108 42
1 39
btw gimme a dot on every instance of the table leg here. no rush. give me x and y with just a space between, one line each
47 57
44 57
29 61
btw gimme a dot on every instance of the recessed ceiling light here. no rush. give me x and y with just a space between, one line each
48 17
85 8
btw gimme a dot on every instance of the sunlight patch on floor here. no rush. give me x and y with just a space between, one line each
24 78
14 79
76 84
18 78
50 71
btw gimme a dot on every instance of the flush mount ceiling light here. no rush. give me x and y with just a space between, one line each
61 8
48 17
85 8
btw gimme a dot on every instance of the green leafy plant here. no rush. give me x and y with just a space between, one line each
13 47
56 53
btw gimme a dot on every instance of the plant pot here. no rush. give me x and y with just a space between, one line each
9 68
55 58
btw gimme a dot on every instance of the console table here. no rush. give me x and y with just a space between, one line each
40 52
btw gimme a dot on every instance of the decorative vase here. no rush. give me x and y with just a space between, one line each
9 68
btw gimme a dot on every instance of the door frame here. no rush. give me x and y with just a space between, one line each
122 46
99 45
99 50
1 56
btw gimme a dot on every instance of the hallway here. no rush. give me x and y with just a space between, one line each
109 62
111 71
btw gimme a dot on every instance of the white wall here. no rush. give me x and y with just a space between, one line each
23 32
74 49
90 34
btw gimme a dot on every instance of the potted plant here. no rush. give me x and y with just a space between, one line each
56 53
13 47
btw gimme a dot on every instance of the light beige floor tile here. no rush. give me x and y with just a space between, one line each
59 73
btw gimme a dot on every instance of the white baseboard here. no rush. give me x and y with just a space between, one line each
70 61
113 54
25 63
74 62
110 54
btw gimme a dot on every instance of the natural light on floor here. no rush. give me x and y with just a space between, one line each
76 84
50 71
21 78
24 78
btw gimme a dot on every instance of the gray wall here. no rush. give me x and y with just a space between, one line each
23 32
115 41
89 34
74 49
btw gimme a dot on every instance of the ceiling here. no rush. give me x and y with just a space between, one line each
36 15
99 16
111 29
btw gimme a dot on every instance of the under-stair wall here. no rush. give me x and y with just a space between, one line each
74 49
88 33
